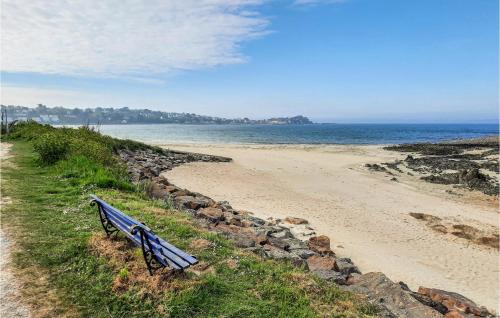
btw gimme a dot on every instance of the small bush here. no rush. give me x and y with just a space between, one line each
92 149
51 148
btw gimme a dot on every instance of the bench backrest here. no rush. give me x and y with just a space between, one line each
165 253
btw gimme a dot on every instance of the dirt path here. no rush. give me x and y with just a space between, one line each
11 305
365 213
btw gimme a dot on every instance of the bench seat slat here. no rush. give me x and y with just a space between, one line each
185 256
119 213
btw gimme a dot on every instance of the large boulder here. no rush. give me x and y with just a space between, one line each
295 244
157 191
224 205
212 214
257 236
232 218
279 254
275 252
278 232
332 276
288 244
304 253
236 232
426 300
256 220
190 202
320 244
317 263
391 297
278 242
454 301
346 267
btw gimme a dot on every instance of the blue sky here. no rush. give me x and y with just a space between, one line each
334 61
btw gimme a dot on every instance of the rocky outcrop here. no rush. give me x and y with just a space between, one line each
467 164
376 167
320 244
397 300
470 233
319 263
391 297
455 303
210 213
149 163
470 178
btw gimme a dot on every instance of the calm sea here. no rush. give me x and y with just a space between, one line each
299 134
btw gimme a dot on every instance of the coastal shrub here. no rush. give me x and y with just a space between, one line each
91 149
29 130
83 154
51 148
85 140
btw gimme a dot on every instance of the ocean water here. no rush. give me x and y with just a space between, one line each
299 134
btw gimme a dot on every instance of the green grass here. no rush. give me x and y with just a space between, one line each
53 224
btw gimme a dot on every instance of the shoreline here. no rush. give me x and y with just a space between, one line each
328 134
262 180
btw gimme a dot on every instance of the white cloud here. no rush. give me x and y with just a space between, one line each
131 38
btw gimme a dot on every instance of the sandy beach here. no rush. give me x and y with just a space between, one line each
365 213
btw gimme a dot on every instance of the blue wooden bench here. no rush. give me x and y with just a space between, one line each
157 252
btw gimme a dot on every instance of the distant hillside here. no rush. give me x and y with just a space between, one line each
99 115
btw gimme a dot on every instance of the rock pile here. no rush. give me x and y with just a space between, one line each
274 239
397 300
455 304
487 237
462 164
149 163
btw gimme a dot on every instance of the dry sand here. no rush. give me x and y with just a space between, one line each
364 213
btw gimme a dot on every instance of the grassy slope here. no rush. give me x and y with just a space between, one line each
54 226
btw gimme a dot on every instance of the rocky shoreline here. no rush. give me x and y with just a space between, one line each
292 240
469 164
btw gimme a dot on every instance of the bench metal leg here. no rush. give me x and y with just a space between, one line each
149 257
108 227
